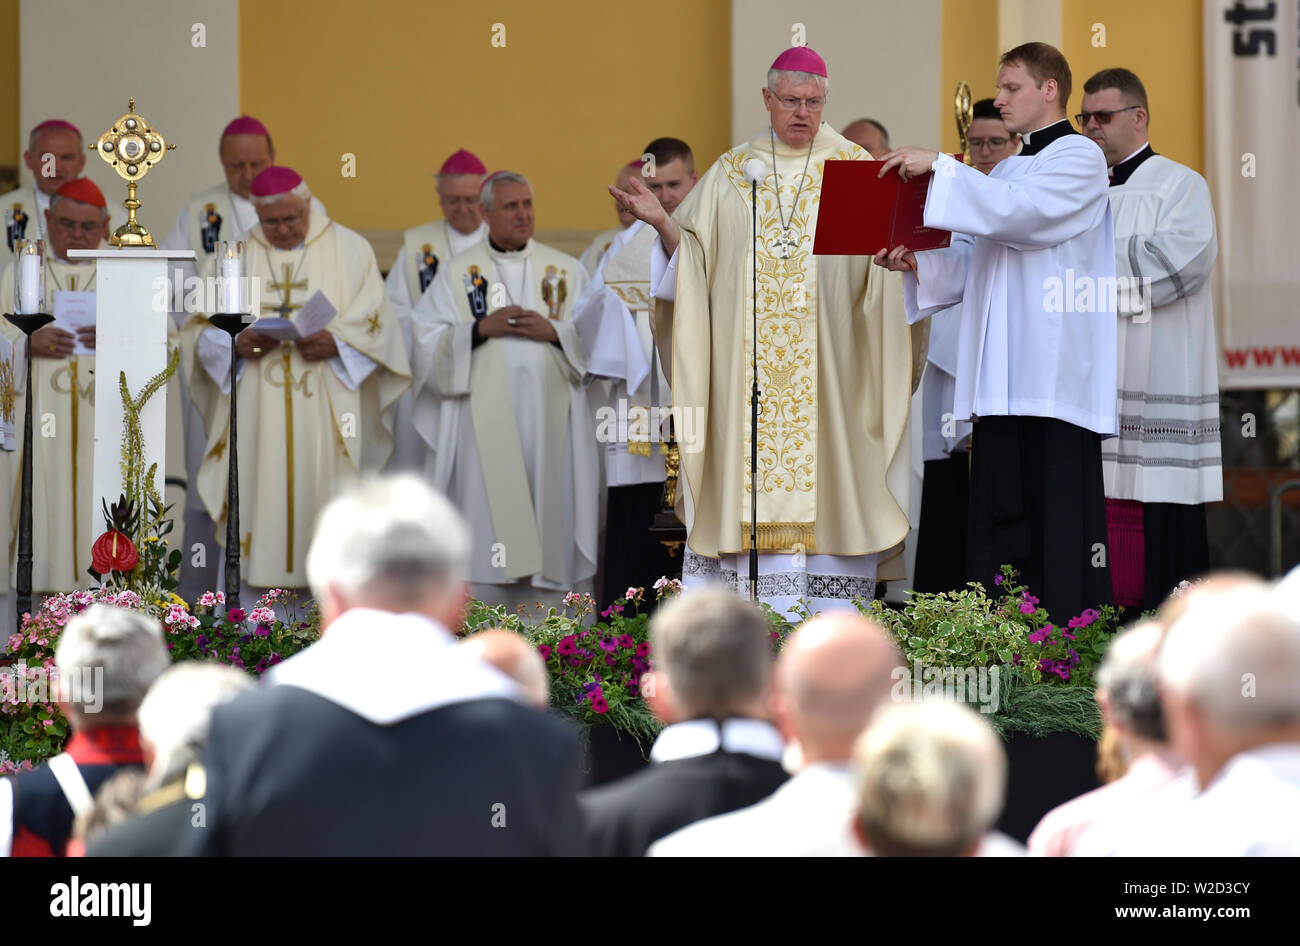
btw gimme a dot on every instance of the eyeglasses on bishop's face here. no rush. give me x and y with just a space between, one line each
791 102
1103 118
271 223
978 144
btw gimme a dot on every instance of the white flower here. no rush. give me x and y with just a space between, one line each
262 616
631 593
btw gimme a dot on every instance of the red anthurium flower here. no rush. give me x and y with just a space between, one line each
113 552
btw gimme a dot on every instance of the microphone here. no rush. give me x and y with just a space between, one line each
755 169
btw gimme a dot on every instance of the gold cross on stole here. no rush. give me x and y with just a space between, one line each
286 289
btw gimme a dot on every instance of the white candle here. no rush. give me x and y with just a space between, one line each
230 285
28 301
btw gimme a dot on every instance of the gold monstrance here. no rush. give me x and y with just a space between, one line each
965 114
132 147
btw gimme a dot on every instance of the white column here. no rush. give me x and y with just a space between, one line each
130 337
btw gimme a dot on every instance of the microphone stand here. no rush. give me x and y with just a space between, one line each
753 413
23 578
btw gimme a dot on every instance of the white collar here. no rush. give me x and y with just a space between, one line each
1026 136
697 737
422 667
1145 145
42 198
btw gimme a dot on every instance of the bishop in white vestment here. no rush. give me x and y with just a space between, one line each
501 403
1166 463
835 364
64 524
315 402
1036 354
424 250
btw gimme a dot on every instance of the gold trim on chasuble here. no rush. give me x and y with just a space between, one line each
787 361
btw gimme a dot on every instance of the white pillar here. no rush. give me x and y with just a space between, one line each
131 337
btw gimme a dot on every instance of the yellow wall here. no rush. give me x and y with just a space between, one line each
970 54
576 92
1161 41
11 147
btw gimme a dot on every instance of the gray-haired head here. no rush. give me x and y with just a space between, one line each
392 539
931 779
107 658
1236 656
56 200
793 77
488 192
715 649
1127 678
175 713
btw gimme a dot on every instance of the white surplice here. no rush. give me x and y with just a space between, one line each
534 427
402 284
1042 233
1168 449
942 433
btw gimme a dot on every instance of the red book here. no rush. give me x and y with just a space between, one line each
860 214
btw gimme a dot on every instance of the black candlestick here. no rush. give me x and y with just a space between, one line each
27 324
232 325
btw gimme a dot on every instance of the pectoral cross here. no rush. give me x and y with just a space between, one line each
784 244
286 288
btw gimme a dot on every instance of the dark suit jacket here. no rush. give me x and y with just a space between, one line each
625 817
292 773
167 821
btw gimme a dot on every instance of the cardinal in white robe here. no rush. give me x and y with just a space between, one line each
1166 463
602 241
424 250
501 402
1036 353
836 367
632 425
315 397
945 445
64 522
55 155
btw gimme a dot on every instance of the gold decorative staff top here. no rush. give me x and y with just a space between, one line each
964 112
132 146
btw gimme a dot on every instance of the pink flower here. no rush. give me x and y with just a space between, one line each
612 609
236 615
544 650
566 647
626 641
262 616
1027 608
632 593
598 705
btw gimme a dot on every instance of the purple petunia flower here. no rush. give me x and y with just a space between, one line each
626 642
643 649
1015 659
262 631
611 660
608 644
235 614
544 650
1027 608
997 579
598 705
566 647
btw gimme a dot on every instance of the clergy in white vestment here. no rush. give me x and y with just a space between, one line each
55 155
832 674
835 367
1036 351
63 376
1166 463
222 212
315 403
603 240
424 249
613 319
1227 668
500 401
941 535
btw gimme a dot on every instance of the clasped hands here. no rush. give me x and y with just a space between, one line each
516 320
315 347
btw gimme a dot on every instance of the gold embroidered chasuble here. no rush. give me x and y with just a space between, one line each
835 366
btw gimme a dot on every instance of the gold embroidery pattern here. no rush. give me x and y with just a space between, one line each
787 358
7 391
635 295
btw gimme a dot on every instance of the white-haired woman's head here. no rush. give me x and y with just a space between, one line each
175 713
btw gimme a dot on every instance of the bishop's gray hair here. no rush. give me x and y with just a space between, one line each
488 193
794 77
392 536
108 657
301 191
56 199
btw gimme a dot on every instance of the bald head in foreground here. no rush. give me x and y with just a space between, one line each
834 672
